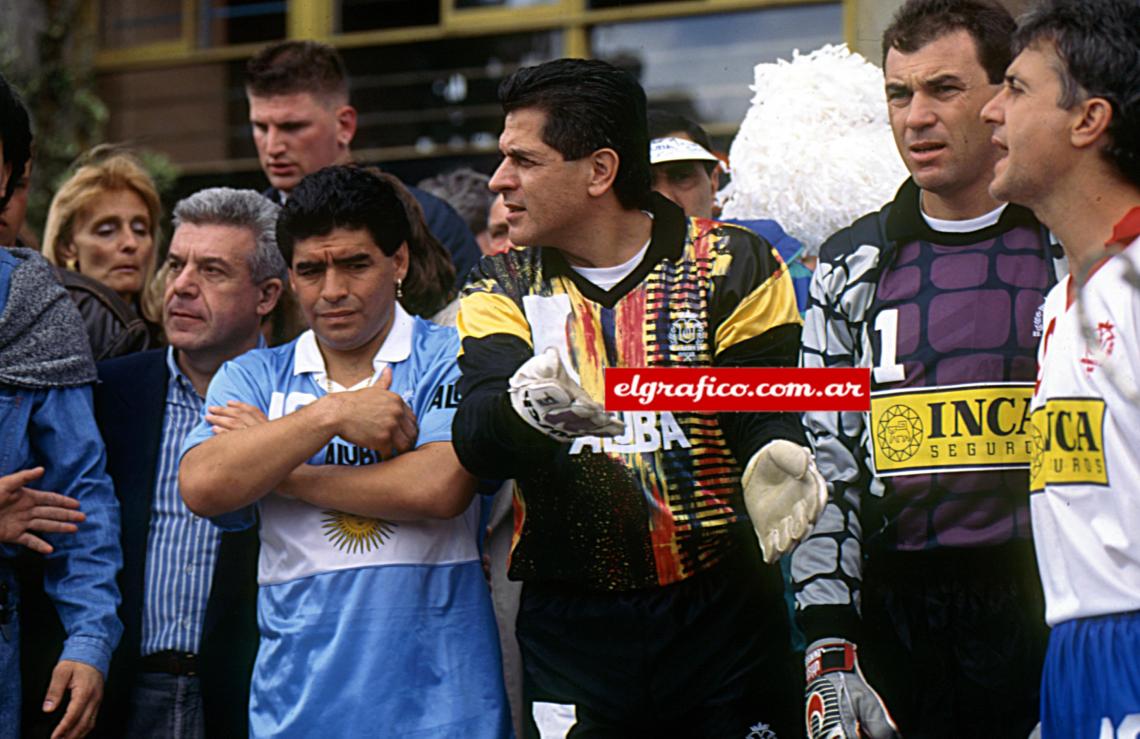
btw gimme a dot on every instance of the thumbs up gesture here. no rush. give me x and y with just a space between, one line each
377 418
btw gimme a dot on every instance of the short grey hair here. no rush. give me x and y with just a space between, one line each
466 191
225 206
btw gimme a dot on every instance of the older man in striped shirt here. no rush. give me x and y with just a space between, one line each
189 590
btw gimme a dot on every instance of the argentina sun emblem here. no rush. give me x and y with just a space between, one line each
355 534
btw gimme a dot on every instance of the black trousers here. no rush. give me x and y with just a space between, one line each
954 640
706 657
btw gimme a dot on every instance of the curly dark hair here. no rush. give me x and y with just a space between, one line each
367 199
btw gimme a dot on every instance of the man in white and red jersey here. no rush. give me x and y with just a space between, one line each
1069 120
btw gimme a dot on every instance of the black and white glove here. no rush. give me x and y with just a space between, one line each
784 494
547 398
839 702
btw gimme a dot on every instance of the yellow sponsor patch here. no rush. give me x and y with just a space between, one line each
954 428
1068 443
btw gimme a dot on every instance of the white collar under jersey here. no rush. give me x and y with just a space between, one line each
397 347
607 277
967 226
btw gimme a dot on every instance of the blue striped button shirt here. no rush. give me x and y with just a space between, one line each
182 548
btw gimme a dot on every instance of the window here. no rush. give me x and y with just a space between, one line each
124 23
702 66
626 3
366 15
420 99
465 4
228 22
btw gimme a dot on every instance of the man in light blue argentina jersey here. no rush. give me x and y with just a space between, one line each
374 615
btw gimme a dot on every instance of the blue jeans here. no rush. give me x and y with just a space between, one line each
166 706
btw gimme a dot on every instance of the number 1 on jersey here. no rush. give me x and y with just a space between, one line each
888 370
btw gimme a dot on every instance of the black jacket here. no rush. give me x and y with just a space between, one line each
113 327
130 402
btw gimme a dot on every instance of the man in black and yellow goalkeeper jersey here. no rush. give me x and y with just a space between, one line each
646 606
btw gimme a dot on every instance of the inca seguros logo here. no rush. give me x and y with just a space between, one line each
977 426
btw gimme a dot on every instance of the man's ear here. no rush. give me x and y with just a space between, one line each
603 171
1091 122
269 292
714 182
401 259
345 125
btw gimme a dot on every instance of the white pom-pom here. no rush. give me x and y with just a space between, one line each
815 150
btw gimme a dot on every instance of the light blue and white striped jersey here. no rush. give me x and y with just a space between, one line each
181 548
368 627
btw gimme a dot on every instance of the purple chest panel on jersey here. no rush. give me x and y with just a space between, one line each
965 315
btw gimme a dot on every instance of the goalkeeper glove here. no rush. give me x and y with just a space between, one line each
839 702
546 397
784 494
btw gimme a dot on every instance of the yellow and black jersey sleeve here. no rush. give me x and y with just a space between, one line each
752 291
489 437
755 323
490 303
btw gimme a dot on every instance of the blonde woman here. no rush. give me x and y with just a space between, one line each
103 226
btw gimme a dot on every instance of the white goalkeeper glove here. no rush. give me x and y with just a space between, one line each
784 494
839 702
548 399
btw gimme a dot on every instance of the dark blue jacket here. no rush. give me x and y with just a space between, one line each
130 405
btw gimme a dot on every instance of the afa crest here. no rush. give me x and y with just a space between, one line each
687 334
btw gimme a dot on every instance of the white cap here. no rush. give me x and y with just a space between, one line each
673 149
